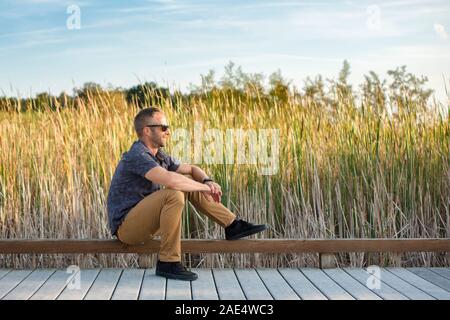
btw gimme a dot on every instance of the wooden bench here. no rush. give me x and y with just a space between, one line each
326 248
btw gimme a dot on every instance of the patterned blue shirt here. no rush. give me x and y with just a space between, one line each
129 185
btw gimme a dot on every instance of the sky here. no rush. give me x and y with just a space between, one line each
54 46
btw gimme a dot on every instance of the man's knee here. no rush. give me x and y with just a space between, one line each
175 195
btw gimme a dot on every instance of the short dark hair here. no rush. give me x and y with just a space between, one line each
141 119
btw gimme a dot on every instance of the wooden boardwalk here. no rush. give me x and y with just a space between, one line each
230 284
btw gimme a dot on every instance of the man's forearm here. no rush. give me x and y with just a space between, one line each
198 174
182 183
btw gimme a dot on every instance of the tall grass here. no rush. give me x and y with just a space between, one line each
348 173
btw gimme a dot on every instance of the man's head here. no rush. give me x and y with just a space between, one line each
151 127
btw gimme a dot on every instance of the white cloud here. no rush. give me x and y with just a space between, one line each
440 31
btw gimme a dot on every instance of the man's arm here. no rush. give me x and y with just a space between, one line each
174 180
196 173
199 175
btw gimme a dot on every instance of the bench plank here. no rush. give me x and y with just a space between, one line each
277 286
385 291
29 285
421 283
301 285
129 285
325 284
352 286
252 285
227 284
104 285
11 246
153 286
204 287
11 280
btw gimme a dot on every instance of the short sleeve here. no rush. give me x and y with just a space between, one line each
173 164
140 163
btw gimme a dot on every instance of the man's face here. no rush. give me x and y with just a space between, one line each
157 136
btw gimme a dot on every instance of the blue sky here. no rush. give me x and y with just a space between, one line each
173 41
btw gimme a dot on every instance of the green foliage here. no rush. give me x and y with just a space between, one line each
404 93
407 91
146 94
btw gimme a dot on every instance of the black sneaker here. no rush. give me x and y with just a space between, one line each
240 228
174 270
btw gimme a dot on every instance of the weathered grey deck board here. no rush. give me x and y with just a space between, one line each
11 280
87 278
204 287
352 286
29 285
443 272
384 291
153 287
232 284
129 285
422 284
326 285
432 277
4 272
178 290
252 285
104 285
277 286
301 285
403 287
227 285
53 286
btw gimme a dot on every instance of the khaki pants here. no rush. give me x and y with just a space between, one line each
160 213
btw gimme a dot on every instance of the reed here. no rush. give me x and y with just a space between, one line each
342 174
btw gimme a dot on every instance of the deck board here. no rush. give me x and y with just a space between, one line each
52 288
277 286
403 287
415 280
326 285
304 288
87 278
443 272
228 283
351 285
29 285
204 287
153 287
228 286
432 277
178 290
11 280
4 272
129 285
384 291
252 285
104 285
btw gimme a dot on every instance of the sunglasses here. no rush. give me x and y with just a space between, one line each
163 127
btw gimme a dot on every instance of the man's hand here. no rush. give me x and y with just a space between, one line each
215 193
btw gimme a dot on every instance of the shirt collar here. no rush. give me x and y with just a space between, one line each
158 153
